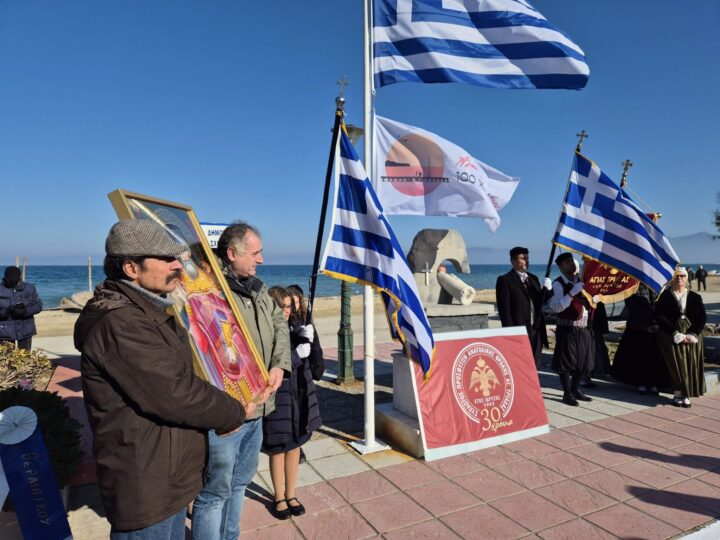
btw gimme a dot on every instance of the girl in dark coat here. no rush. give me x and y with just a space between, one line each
681 317
295 417
19 302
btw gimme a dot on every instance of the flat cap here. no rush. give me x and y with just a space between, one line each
517 250
141 238
563 257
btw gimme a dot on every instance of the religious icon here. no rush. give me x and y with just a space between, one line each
224 353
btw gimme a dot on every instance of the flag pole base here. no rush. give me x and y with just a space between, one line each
363 448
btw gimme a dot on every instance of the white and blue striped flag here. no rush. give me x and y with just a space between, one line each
362 248
601 221
490 43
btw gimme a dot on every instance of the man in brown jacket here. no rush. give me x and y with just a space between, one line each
149 412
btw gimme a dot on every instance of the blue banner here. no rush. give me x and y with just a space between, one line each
33 489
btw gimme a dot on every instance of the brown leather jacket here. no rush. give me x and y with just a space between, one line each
148 411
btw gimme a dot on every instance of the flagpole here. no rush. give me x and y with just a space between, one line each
370 444
582 135
339 106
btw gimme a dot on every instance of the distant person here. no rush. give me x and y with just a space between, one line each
296 414
681 317
691 278
233 460
148 410
19 303
520 301
701 276
638 360
574 355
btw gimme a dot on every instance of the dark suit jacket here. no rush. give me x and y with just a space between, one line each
513 302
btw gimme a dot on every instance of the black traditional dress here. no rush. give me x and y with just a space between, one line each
638 360
574 352
683 313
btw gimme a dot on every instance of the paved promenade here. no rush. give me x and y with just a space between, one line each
622 466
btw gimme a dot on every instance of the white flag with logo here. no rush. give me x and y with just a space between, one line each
418 173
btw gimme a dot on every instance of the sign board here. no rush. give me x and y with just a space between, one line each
483 391
213 231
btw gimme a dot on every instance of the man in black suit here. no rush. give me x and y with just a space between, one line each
520 300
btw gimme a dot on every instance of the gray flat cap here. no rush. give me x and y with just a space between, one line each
141 238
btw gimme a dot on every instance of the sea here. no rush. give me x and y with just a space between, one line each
55 282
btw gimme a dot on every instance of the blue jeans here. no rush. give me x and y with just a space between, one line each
232 463
173 528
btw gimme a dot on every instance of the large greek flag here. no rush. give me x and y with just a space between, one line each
490 43
362 248
601 221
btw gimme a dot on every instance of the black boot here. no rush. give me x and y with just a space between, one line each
568 398
575 389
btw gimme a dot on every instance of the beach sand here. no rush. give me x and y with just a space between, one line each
326 313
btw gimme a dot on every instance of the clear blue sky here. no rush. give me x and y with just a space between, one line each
227 106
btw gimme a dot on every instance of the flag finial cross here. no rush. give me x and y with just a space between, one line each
626 167
582 135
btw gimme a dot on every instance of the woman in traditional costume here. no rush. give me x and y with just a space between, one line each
681 317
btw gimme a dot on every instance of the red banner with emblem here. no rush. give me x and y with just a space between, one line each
484 391
603 283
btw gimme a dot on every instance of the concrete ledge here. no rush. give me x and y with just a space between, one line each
399 430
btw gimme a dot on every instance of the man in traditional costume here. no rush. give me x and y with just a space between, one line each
520 300
681 317
574 355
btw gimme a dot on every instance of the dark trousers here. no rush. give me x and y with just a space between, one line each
702 282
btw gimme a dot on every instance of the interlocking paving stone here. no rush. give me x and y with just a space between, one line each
427 530
558 420
283 530
340 465
392 512
591 432
532 511
484 522
699 493
677 511
323 448
660 439
497 455
642 419
562 440
443 497
343 523
576 498
611 483
455 466
529 474
602 456
630 446
702 422
623 427
488 485
681 463
530 448
319 497
649 473
566 464
626 522
362 486
681 429
414 473
578 528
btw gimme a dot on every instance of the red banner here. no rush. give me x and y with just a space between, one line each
484 391
603 283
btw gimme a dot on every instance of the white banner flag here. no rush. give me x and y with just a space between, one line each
418 173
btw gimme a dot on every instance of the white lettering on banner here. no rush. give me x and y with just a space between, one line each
33 480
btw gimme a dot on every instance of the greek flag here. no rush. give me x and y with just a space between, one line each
490 43
602 222
362 248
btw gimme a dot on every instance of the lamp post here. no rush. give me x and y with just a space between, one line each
346 374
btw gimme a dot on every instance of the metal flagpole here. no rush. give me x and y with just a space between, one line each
370 444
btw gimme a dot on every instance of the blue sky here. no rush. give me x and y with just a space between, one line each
226 106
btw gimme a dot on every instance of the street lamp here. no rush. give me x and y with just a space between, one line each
346 374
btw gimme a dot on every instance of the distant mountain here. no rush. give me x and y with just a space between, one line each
698 248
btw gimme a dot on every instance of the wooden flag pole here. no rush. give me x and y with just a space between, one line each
339 108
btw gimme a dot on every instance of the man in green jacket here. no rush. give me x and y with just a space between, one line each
148 410
234 458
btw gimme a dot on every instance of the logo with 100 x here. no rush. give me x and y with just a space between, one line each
483 385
